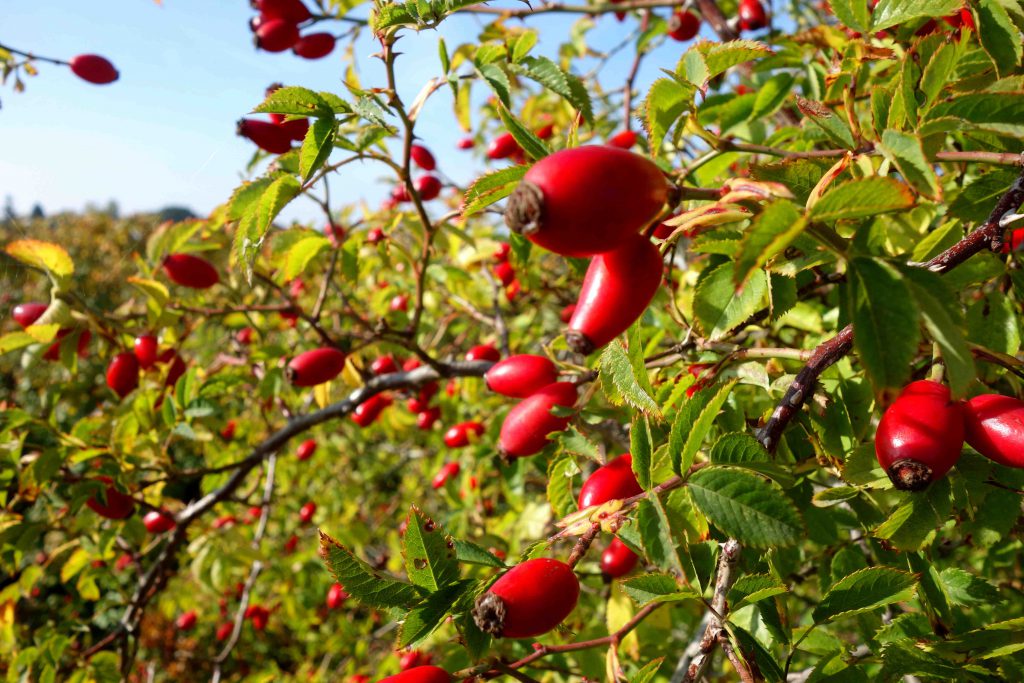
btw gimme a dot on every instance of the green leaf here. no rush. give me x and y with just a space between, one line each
752 588
572 441
648 588
771 95
298 101
743 450
498 80
898 12
660 542
301 253
939 70
720 57
906 152
964 588
429 553
552 77
998 112
976 200
75 563
666 102
620 382
369 108
316 147
641 449
13 341
490 188
367 585
852 13
915 522
771 232
470 553
746 507
863 591
863 197
999 36
646 673
944 320
424 619
885 321
693 422
46 256
834 126
560 475
522 44
718 306
531 144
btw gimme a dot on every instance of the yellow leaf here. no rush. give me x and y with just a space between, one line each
322 394
617 613
45 255
44 334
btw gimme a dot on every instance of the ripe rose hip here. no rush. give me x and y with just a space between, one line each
314 45
175 366
93 68
428 186
617 289
504 248
192 271
336 596
586 200
268 136
617 559
994 427
423 158
123 374
228 432
367 412
483 352
186 621
291 544
623 140
383 365
27 313
224 521
117 506
146 348
752 15
521 375
157 522
244 336
224 630
290 10
259 616
375 235
412 659
306 449
448 471
920 436
315 367
683 26
296 129
505 273
610 482
565 315
399 302
425 419
503 147
465 143
525 429
462 434
419 674
306 512
530 599
276 35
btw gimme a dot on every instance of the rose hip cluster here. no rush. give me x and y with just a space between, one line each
276 135
428 186
921 434
276 29
596 201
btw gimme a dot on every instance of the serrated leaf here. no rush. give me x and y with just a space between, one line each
552 77
530 143
153 288
522 44
295 100
964 588
852 13
899 12
906 152
490 188
938 71
999 36
642 451
498 80
771 95
13 341
976 200
572 441
885 321
648 588
863 197
944 320
720 57
864 591
646 673
752 588
746 507
246 196
717 305
693 421
661 545
666 102
770 233
618 374
370 109
316 147
429 553
834 126
301 253
470 553
49 257
998 112
362 582
915 522
560 474
424 619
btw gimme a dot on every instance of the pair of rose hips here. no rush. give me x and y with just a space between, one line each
595 201
277 29
610 482
123 370
921 434
533 379
28 314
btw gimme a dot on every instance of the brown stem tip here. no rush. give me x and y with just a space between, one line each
489 614
524 211
578 342
910 475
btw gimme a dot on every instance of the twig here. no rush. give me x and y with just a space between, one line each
726 576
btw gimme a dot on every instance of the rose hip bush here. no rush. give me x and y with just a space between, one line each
358 449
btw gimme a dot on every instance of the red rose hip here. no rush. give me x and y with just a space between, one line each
587 200
609 482
191 271
483 352
123 374
306 449
93 68
117 506
336 596
146 348
276 35
752 15
157 522
683 26
315 367
617 559
462 434
447 472
422 157
306 512
419 674
186 621
994 427
920 436
268 136
314 46
530 599
521 375
525 429
27 313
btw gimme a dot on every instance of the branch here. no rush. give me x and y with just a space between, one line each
989 235
727 561
30 56
558 7
713 15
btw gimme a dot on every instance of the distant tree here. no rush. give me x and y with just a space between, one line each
37 211
175 213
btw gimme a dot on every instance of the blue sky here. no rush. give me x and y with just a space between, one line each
164 133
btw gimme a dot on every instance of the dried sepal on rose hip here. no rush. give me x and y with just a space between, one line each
530 599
